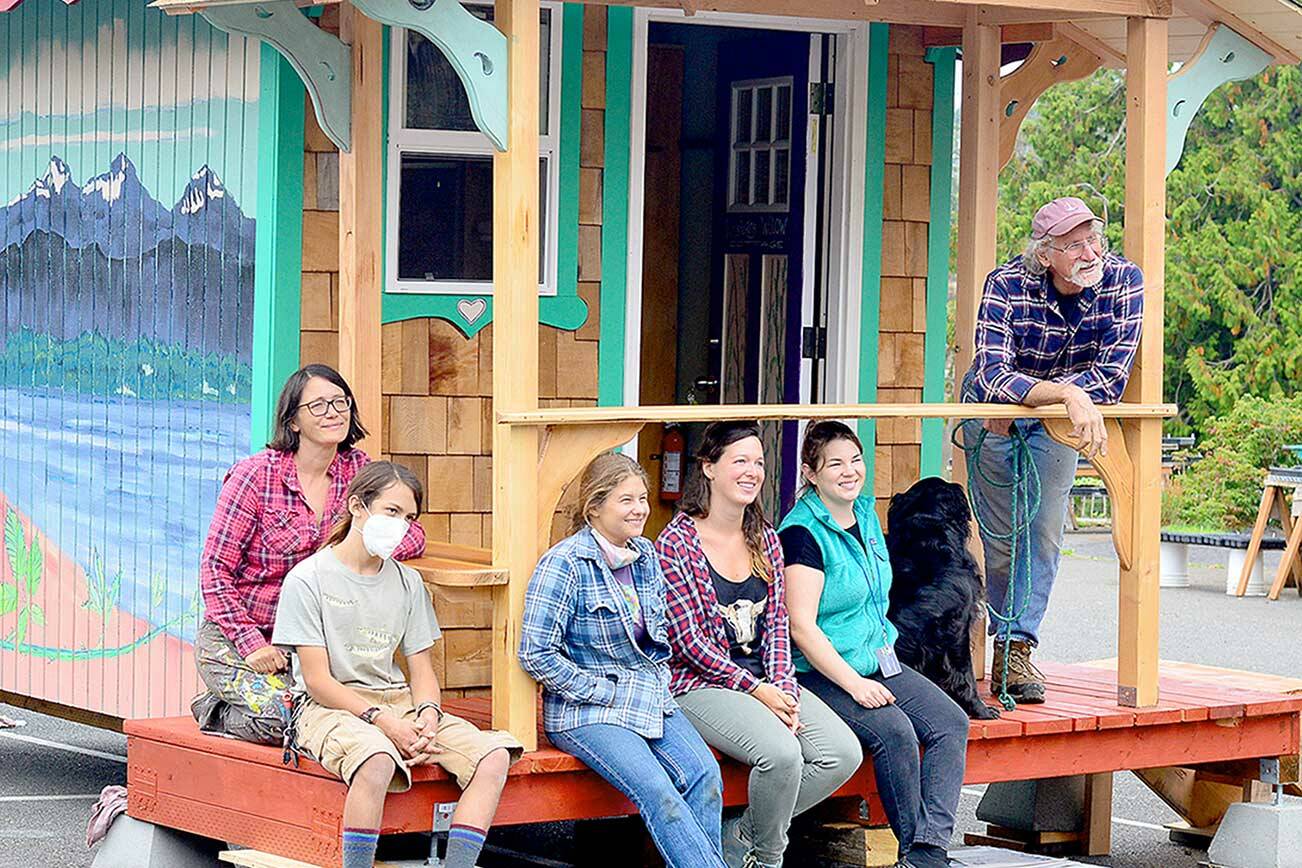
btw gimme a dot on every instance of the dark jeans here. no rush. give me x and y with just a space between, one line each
920 797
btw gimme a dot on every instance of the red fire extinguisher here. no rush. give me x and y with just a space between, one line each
672 446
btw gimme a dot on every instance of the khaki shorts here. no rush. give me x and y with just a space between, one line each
341 742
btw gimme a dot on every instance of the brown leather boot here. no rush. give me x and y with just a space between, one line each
1025 682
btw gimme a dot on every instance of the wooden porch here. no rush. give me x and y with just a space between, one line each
241 793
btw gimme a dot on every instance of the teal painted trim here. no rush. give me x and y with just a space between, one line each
474 48
278 248
942 191
564 310
614 205
879 36
1228 57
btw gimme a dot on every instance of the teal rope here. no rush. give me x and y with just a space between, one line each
1025 497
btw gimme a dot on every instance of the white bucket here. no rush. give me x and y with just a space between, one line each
1234 568
1174 565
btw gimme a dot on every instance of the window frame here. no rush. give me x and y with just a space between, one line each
753 148
469 143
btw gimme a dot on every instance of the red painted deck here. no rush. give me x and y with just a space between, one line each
241 793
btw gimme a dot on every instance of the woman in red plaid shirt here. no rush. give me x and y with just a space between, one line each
731 669
275 508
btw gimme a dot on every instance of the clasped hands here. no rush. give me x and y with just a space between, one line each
416 738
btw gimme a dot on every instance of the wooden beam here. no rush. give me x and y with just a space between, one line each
1111 57
1210 13
1049 63
1145 244
940 37
1128 8
515 368
720 412
361 214
1117 471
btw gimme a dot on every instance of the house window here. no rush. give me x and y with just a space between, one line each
759 168
440 196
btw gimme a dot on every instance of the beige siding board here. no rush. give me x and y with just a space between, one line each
418 424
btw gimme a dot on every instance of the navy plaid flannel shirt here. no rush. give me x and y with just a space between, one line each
1022 337
576 640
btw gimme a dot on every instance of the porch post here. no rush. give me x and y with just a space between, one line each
515 368
1145 242
978 199
361 210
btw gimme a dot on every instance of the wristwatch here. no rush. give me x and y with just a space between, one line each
371 713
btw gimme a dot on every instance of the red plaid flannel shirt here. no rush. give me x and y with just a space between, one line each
696 635
261 528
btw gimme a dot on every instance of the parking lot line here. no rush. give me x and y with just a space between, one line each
85 751
62 797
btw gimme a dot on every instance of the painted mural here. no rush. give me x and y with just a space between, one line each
127 169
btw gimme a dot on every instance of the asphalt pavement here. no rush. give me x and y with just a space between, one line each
53 770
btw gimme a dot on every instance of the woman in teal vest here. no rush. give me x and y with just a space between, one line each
838 592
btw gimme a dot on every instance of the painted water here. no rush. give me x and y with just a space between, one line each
123 485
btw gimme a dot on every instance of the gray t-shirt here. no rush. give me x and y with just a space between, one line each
359 620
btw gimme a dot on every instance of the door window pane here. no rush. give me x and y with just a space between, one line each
764 114
742 98
741 178
762 172
781 176
784 113
436 99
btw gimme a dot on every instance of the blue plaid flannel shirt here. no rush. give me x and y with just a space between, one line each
1022 338
577 640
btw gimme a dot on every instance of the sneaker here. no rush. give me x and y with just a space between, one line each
736 850
1025 682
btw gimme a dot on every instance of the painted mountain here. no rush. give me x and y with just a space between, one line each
106 257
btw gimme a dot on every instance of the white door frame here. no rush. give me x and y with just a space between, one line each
846 191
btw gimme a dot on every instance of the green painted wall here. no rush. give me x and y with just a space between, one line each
870 303
614 204
278 262
942 191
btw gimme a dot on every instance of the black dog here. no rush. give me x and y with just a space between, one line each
936 593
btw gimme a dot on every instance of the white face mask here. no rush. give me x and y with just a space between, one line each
382 533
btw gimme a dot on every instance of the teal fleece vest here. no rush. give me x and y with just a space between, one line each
856 585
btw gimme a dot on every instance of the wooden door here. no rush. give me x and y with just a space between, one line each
660 258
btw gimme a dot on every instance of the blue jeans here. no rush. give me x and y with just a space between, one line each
920 796
1057 468
673 781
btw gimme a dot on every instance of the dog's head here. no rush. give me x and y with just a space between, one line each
930 507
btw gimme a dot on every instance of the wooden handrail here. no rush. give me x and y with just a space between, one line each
721 412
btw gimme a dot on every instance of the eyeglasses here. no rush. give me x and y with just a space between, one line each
1076 250
321 406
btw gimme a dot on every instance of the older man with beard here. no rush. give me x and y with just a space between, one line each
1059 324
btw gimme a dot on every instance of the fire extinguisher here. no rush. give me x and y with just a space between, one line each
672 446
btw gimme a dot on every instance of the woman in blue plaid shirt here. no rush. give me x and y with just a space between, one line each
595 637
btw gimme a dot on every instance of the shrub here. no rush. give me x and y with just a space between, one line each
1223 490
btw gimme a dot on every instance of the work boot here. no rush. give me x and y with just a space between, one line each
1025 682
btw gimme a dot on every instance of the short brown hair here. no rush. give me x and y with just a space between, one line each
283 437
603 475
817 438
369 483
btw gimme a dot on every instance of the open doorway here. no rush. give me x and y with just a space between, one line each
736 209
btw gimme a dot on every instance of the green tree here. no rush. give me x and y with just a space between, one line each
1233 286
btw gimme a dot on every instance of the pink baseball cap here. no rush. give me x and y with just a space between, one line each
1060 217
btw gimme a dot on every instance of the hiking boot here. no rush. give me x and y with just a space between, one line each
1025 682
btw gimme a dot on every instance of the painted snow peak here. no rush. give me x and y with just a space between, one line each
116 214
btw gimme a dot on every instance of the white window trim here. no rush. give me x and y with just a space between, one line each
467 144
755 148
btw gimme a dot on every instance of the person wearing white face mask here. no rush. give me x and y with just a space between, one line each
1059 324
344 612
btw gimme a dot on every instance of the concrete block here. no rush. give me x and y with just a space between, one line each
1048 805
1259 836
132 843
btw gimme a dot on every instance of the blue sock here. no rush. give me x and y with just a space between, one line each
464 846
359 847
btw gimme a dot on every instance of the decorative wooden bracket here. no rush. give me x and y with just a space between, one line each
1223 56
563 452
1118 474
1060 59
320 59
475 48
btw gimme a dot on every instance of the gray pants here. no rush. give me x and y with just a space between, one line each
239 702
790 773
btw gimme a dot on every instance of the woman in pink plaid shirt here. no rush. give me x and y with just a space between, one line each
275 508
731 670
